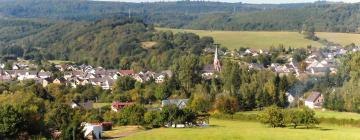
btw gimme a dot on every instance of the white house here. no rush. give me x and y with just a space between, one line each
92 131
315 100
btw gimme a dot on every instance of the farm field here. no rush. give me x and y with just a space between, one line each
340 38
243 130
265 39
255 39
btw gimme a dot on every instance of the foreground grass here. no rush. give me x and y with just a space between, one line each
121 131
337 115
242 130
340 38
255 40
321 114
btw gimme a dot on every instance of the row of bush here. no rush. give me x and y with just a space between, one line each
277 117
137 115
237 116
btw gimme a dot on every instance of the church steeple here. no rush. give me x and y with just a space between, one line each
217 65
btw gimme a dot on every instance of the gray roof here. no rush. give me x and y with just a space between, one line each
176 102
313 97
208 69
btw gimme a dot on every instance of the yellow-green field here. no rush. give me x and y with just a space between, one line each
256 40
100 105
265 39
242 130
337 115
340 38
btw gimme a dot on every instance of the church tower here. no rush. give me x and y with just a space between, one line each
217 65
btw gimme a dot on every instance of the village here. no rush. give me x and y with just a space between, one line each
318 63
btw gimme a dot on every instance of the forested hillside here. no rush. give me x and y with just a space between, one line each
323 16
111 43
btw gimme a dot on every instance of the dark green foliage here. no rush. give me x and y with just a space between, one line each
153 119
277 117
171 115
124 84
12 122
131 115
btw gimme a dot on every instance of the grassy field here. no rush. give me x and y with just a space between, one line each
255 40
264 39
337 115
121 131
99 105
323 114
340 38
242 130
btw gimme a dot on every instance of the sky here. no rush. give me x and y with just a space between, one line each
246 1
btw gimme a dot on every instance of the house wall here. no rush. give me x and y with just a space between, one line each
309 104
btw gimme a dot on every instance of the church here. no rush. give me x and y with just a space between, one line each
209 70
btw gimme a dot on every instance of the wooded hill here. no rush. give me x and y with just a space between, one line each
111 43
323 16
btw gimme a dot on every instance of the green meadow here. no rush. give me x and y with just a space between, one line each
253 39
265 39
340 38
243 130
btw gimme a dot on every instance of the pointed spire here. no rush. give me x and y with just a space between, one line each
217 65
216 53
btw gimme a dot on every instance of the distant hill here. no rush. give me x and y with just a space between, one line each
323 16
111 43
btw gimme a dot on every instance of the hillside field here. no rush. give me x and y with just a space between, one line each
340 38
265 39
243 130
255 39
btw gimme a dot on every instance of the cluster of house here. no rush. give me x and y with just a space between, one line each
80 75
318 62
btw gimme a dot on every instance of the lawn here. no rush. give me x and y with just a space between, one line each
100 105
337 115
121 131
242 130
340 38
255 39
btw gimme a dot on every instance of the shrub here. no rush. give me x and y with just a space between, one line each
152 119
293 117
308 117
273 116
226 104
131 115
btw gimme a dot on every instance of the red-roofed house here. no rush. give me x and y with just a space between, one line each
117 106
126 72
